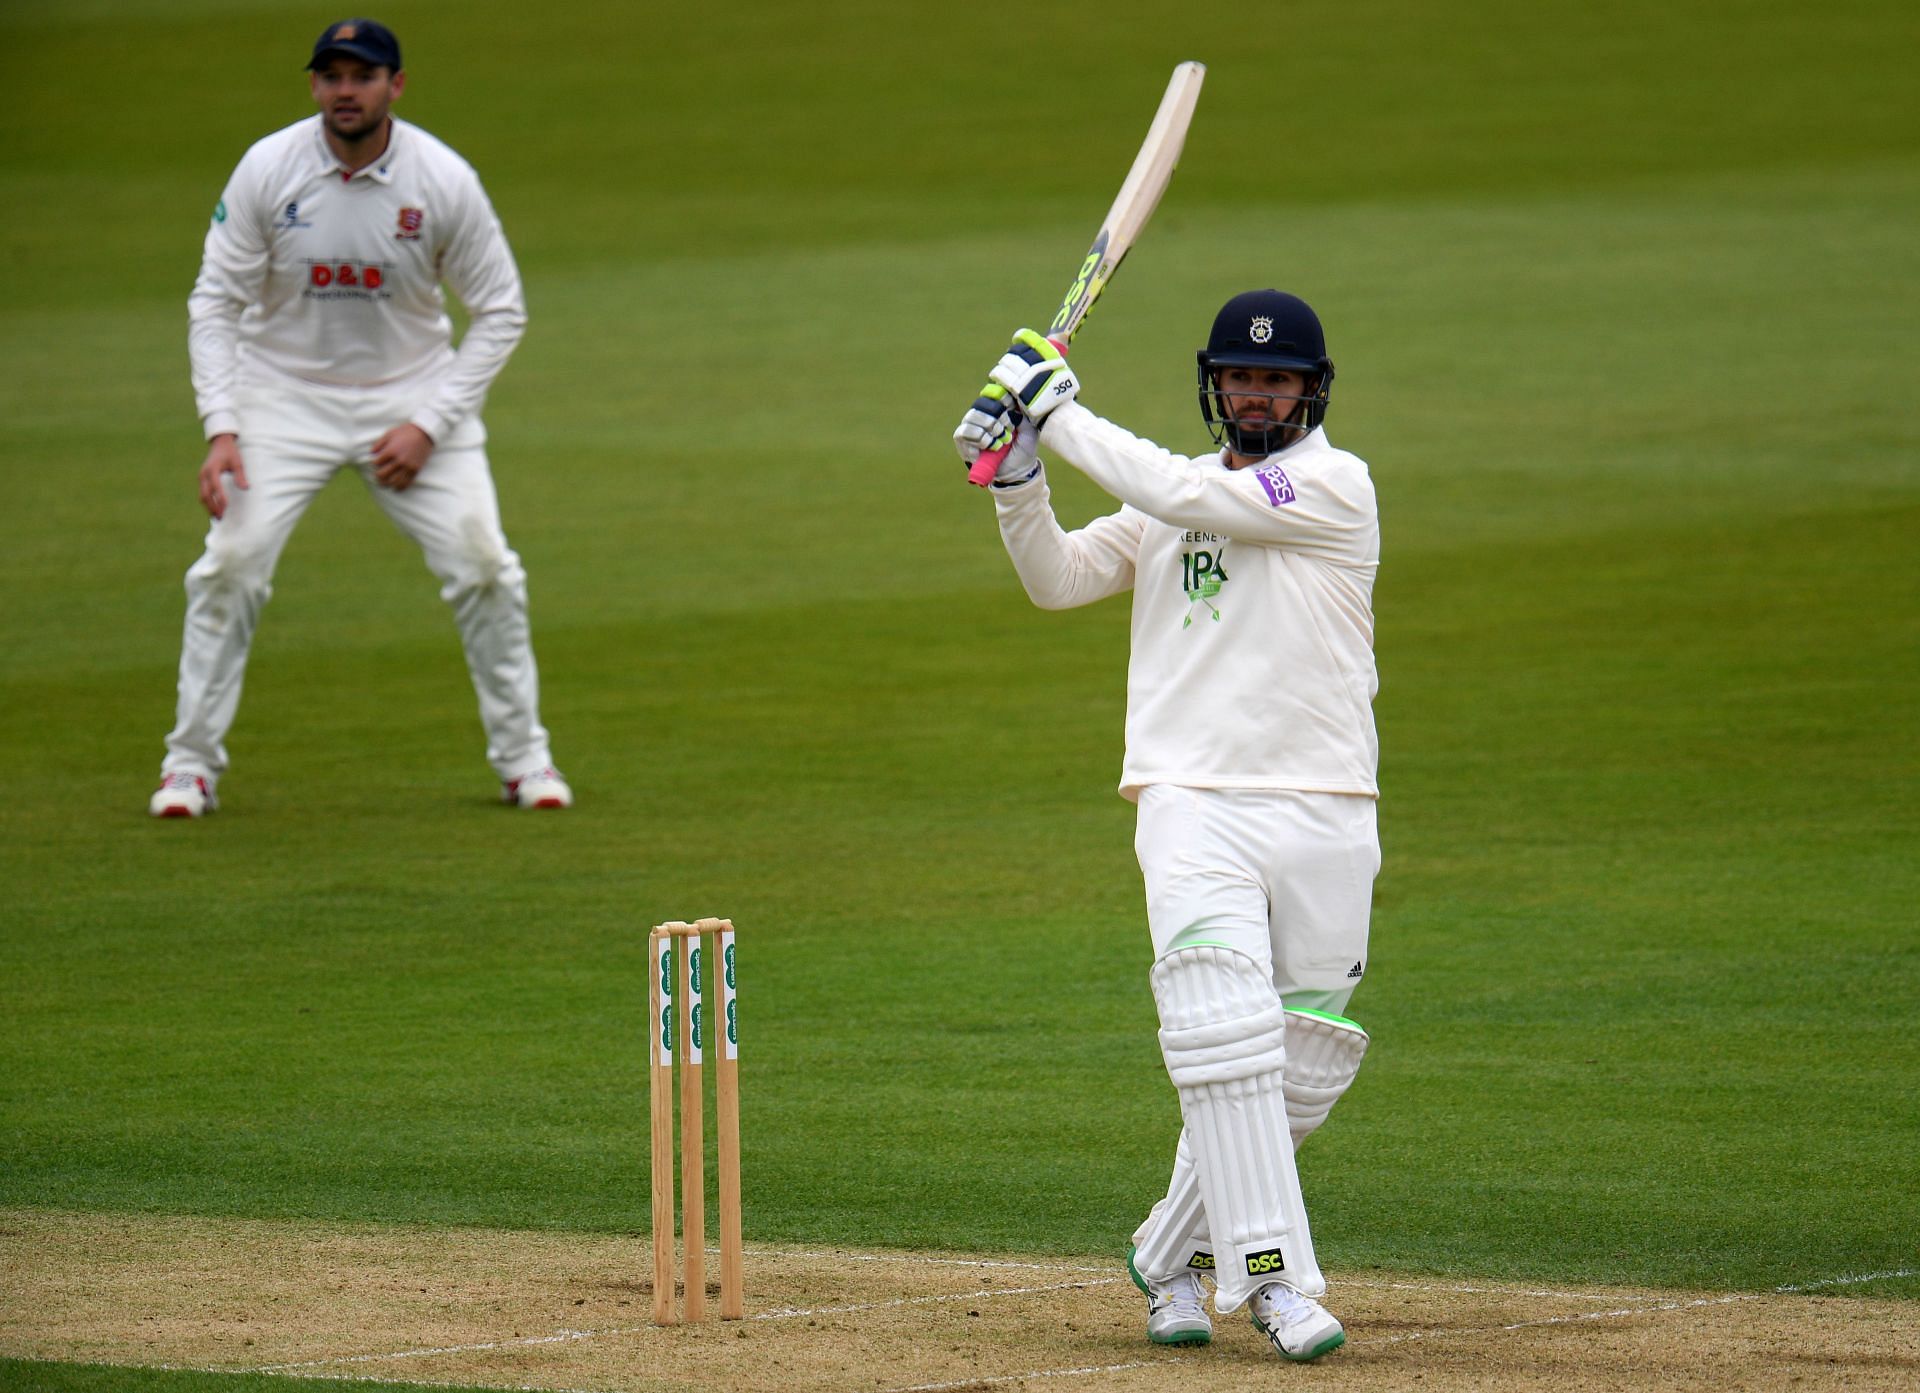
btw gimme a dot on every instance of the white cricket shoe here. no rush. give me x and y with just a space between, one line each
1176 1309
1300 1328
543 788
182 795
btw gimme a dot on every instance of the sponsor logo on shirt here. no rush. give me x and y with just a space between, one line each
291 217
1274 480
1202 573
346 280
411 220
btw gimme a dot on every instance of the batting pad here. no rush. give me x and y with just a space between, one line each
1323 1055
1174 1237
1223 1035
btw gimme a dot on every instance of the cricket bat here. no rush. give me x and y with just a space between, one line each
1151 173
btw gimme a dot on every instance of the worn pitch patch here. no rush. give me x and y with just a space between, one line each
570 1312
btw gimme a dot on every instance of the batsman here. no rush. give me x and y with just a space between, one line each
1252 757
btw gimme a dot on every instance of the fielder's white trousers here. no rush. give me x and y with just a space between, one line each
1283 877
293 440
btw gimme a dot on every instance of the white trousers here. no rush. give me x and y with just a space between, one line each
1283 877
293 440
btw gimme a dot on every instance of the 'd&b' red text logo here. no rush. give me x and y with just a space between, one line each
351 275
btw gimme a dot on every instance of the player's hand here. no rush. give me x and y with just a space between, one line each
1036 372
223 457
1023 460
988 424
992 423
401 454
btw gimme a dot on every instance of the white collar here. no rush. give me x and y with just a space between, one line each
380 171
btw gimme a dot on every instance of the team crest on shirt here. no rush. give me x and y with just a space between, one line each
411 220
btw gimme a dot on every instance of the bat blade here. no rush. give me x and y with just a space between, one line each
1139 195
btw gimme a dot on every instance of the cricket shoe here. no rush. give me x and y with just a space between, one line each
1300 1328
182 795
1176 1309
543 788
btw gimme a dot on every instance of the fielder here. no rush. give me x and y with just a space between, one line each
319 339
1250 750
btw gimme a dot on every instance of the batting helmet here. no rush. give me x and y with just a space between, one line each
1265 329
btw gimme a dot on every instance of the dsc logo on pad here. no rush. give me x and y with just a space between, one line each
1260 1264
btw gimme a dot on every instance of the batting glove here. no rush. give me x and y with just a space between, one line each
988 424
1023 460
1036 372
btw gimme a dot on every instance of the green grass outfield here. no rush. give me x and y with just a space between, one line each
1623 307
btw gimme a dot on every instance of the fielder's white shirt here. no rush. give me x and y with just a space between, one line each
1252 661
316 277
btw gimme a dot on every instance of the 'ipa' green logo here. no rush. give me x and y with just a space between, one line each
220 211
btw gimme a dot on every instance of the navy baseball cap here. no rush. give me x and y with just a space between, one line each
365 39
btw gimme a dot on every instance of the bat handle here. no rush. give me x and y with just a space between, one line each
988 464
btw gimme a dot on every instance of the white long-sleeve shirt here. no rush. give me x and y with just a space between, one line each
1252 660
319 277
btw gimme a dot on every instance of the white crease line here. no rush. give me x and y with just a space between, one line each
344 1377
1565 1320
916 1261
357 1378
1037 1373
1626 1311
794 1313
560 1337
1436 1334
1852 1281
788 1313
1469 1291
791 1312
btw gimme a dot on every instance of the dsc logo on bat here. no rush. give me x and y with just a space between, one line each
1078 291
